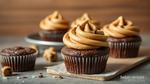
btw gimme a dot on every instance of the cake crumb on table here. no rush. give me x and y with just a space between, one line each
6 71
40 75
57 76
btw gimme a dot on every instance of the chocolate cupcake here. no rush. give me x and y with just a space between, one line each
53 27
86 50
124 40
18 58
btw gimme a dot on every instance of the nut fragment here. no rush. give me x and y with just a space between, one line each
57 76
6 71
34 47
50 55
41 75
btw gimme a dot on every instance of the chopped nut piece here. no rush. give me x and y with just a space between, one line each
34 47
41 75
57 76
24 77
6 71
50 55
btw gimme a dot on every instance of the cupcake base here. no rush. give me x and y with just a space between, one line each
52 35
124 48
85 61
19 63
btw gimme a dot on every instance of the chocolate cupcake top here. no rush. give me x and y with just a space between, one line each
83 18
15 51
121 28
85 36
54 21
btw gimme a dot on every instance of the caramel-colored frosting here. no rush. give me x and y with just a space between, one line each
85 36
82 19
54 21
120 28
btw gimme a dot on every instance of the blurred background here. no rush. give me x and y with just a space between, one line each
21 17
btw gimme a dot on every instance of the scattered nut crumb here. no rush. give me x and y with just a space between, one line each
41 75
24 77
50 54
34 47
18 77
6 71
57 76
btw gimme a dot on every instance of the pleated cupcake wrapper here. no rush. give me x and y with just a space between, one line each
19 63
85 65
124 49
51 35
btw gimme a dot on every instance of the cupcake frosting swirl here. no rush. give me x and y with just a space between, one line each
82 19
54 21
121 28
85 36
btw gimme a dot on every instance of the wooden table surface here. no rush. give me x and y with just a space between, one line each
21 17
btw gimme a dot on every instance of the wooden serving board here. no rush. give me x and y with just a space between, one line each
114 67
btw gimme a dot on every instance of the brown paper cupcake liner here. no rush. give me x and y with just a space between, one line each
51 37
19 63
85 65
124 49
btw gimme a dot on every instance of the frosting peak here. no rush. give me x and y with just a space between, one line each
121 22
83 18
57 15
55 21
121 28
85 36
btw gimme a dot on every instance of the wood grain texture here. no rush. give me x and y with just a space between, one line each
20 17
